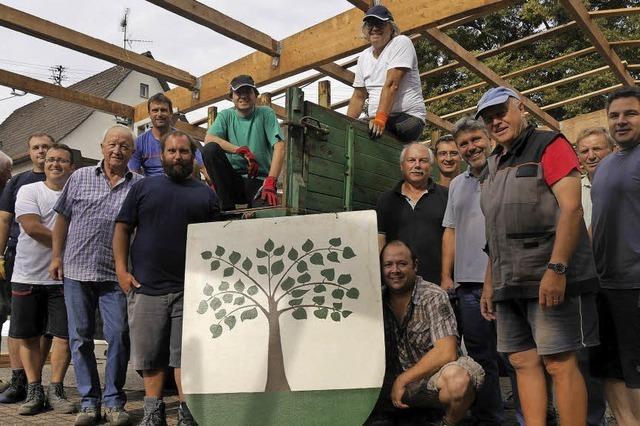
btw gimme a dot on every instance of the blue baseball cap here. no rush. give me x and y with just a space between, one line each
495 96
378 12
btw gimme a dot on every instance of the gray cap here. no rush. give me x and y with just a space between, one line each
495 96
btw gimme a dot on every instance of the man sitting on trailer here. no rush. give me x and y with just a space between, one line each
244 151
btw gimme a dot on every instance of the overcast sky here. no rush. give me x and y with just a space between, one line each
174 40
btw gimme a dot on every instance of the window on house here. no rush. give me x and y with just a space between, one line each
144 90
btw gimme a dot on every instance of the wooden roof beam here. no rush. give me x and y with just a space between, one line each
448 44
41 88
54 33
194 131
334 70
581 16
363 5
221 23
327 41
439 122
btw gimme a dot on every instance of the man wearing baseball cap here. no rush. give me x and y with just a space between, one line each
244 151
387 74
541 282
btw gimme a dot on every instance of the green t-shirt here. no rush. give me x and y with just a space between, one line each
259 131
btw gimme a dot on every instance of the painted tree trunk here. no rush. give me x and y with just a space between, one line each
276 376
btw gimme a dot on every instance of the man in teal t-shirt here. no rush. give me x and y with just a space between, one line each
243 151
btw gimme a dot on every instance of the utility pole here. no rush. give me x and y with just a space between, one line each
57 74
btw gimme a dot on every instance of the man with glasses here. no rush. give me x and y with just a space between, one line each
387 75
83 236
541 273
38 307
244 151
448 159
38 144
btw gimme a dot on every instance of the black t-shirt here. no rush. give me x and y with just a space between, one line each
8 199
419 227
160 209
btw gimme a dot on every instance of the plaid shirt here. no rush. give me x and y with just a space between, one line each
91 206
429 318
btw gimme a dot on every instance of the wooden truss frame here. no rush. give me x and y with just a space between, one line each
318 47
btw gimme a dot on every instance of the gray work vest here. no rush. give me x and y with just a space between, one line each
521 213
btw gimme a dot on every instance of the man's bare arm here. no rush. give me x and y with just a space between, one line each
32 225
277 159
121 240
58 239
390 88
448 257
6 219
356 103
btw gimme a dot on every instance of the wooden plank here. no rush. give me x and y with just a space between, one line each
363 5
317 45
322 203
330 169
365 195
566 80
377 165
582 97
581 16
220 23
41 88
54 33
471 62
324 93
372 180
195 132
439 122
323 185
341 74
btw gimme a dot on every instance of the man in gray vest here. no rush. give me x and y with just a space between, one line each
541 274
615 193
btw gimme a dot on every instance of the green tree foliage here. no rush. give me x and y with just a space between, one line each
521 20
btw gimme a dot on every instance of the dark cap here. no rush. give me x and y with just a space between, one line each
495 96
241 81
378 12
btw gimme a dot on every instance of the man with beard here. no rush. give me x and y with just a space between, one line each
448 159
464 263
413 211
146 157
159 209
616 246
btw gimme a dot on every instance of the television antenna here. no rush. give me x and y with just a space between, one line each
126 36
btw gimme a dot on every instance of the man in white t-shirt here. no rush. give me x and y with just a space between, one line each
37 306
387 74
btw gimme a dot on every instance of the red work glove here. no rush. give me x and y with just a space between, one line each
376 126
269 193
252 168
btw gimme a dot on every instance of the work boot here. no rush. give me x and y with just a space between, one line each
88 416
35 402
116 416
17 389
57 399
154 414
184 415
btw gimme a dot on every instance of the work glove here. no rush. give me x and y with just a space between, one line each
269 193
252 168
376 126
3 274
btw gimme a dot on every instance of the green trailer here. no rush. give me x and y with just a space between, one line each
332 164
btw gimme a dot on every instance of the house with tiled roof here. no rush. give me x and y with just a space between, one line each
80 127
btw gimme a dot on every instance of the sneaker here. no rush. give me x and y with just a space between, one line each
3 385
17 389
184 416
116 416
88 416
57 399
154 414
35 402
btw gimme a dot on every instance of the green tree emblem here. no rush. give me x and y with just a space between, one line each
300 281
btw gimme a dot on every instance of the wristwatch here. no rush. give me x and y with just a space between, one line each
558 268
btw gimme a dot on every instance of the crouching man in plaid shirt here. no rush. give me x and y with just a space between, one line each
421 339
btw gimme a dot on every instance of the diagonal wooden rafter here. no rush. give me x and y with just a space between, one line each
221 23
41 88
54 33
581 16
334 70
470 61
363 5
327 41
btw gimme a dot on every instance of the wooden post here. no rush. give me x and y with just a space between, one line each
264 99
324 93
212 112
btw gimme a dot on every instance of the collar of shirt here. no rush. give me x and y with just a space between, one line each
99 170
398 189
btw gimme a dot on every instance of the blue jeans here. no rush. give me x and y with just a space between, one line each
480 341
82 298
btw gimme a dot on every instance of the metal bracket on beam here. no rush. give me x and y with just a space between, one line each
195 92
125 121
275 59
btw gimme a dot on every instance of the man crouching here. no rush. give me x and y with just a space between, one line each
422 335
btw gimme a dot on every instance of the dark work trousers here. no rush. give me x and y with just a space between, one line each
5 285
596 405
231 187
480 340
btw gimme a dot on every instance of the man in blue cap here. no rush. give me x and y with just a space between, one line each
541 281
387 75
